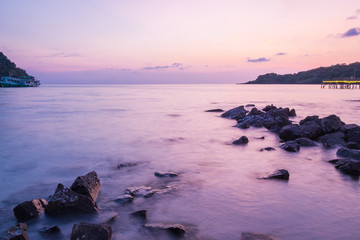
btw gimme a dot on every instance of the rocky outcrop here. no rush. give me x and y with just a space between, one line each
29 209
176 229
290 132
88 185
66 201
282 174
311 128
91 231
290 146
18 232
353 134
235 113
331 124
332 140
241 141
348 153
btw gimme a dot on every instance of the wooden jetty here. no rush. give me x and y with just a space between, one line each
341 84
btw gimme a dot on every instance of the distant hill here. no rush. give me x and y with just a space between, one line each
8 68
313 76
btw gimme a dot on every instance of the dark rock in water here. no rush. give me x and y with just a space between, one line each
176 229
290 146
29 209
353 135
347 166
352 145
267 149
88 185
279 174
292 113
215 110
49 230
290 132
243 125
90 231
235 113
250 105
348 153
147 191
262 138
313 118
18 232
111 220
66 201
123 165
311 129
165 174
255 236
139 214
305 142
241 141
331 124
331 140
347 127
124 198
268 108
255 111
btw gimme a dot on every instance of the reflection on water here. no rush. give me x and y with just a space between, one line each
53 134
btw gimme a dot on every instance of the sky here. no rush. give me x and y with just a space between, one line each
164 41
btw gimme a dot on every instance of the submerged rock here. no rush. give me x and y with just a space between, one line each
147 191
29 209
91 231
66 201
165 174
241 141
215 110
331 140
18 232
49 230
267 149
347 166
123 165
353 135
305 142
176 229
235 113
279 174
255 236
139 214
124 198
290 146
111 220
348 153
88 185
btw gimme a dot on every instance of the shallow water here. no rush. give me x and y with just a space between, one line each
52 134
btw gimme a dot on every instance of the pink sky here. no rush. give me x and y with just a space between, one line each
212 41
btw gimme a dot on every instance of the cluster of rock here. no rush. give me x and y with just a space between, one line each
330 131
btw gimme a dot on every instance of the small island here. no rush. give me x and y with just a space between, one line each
12 76
313 76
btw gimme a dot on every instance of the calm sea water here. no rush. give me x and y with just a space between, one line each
52 134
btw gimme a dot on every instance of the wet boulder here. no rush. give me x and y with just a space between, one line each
241 141
142 214
215 110
305 142
282 174
165 174
269 107
29 209
66 201
91 231
50 230
290 146
290 132
331 124
352 145
88 185
255 111
353 135
235 113
311 129
331 140
18 232
147 191
175 229
347 166
125 198
292 113
348 153
347 127
313 118
255 236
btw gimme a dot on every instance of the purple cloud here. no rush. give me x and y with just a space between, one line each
353 17
351 32
281 54
174 65
262 59
63 55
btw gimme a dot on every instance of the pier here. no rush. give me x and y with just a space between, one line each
341 84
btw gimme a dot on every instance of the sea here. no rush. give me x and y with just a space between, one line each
126 133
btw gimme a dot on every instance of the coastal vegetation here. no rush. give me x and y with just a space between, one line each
313 76
8 68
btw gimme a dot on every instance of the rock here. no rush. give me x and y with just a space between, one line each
268 108
255 111
347 127
292 113
165 174
311 129
235 113
241 141
279 174
290 132
88 185
124 198
243 125
111 220
215 110
352 145
29 209
49 230
290 146
267 149
348 153
250 105
18 232
331 140
347 166
313 118
176 229
262 138
353 135
255 236
305 142
331 124
90 231
147 191
66 201
123 165
139 214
